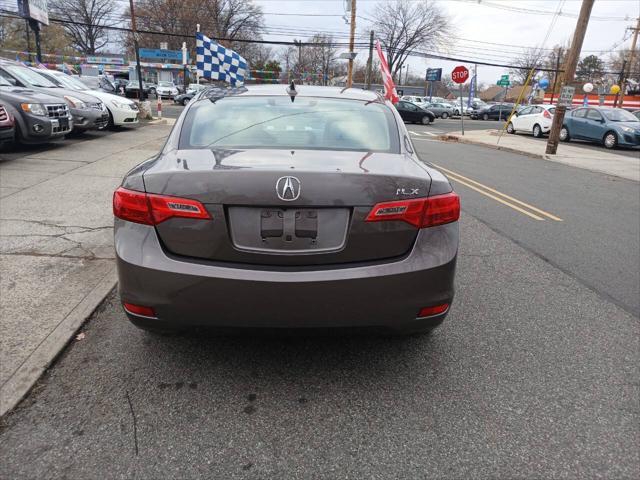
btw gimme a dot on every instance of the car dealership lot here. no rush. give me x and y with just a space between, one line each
534 373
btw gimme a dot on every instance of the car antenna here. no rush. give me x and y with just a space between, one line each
291 90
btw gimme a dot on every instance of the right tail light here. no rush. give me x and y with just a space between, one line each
420 212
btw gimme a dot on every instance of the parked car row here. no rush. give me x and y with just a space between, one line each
43 105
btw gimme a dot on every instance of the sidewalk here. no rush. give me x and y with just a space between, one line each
573 154
56 246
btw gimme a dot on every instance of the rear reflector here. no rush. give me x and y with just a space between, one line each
429 311
420 212
152 209
139 310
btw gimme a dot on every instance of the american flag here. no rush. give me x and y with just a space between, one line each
389 87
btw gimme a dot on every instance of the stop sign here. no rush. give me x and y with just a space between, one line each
460 74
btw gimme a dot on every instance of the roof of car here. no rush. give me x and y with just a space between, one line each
308 91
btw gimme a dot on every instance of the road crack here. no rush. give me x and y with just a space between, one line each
135 422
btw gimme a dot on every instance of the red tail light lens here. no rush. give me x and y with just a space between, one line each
139 310
435 310
421 212
151 209
546 114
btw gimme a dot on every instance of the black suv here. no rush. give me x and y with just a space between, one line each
38 117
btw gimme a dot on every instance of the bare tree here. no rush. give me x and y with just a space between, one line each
404 25
228 19
322 57
94 15
531 58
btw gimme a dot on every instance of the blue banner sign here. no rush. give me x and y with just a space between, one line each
434 74
161 54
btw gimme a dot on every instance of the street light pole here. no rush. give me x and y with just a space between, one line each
352 35
184 66
135 46
569 72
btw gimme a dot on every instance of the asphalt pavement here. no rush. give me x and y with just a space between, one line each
535 373
598 237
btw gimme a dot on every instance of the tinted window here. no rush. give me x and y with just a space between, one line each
552 110
579 113
619 115
526 111
594 115
277 122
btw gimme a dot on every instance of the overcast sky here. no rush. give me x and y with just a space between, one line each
512 23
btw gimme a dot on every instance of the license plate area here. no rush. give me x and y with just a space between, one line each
288 230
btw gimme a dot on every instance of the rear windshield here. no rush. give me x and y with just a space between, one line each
277 122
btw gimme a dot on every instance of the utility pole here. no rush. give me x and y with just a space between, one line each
352 35
620 80
556 74
632 54
406 75
569 72
370 61
298 43
135 46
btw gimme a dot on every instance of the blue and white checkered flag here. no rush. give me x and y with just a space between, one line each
219 63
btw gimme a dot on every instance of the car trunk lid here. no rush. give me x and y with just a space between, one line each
287 207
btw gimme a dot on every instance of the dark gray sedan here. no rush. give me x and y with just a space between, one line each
280 207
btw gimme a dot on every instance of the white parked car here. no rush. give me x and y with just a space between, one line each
414 99
122 111
536 119
166 89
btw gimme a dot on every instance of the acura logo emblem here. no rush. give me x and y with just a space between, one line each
288 188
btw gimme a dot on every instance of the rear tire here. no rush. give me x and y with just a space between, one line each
426 120
510 128
537 131
610 140
445 115
485 116
185 101
564 134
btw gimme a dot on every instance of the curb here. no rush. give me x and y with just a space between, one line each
25 377
459 139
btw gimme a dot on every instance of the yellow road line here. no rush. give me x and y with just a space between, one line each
498 199
460 178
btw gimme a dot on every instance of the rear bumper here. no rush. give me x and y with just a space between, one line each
185 293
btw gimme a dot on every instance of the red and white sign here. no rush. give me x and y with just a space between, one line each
389 87
460 74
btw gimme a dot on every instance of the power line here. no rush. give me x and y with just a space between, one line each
416 53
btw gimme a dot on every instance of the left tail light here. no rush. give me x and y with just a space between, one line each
420 212
546 114
152 209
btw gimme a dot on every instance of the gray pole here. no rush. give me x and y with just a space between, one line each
135 46
370 61
461 111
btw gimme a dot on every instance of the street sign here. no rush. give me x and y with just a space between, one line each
503 83
434 74
161 54
505 78
566 96
37 10
460 74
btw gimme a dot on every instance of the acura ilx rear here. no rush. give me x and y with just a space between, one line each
286 207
